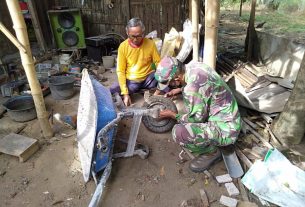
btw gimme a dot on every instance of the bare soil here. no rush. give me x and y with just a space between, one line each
52 176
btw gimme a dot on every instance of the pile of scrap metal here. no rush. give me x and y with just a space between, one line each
261 98
253 87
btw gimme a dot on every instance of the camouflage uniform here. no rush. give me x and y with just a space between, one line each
212 117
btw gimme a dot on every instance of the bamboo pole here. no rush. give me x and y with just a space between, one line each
12 38
195 21
212 8
28 64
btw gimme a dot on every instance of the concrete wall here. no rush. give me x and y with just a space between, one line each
282 56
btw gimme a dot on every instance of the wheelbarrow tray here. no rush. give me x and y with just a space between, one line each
95 111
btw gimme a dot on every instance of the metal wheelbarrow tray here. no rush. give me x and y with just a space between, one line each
98 117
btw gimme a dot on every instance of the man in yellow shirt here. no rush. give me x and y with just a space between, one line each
136 55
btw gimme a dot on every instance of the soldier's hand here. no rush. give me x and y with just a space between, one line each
167 114
173 92
157 92
126 100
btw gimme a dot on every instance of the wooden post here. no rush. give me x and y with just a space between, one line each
212 8
251 30
195 22
190 9
28 64
36 25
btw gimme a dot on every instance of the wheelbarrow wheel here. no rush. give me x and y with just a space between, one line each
155 124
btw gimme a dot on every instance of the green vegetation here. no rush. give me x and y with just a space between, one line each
278 21
287 5
228 3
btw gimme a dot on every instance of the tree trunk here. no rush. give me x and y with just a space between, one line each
251 31
290 125
240 7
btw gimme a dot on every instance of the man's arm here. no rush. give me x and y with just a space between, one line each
121 71
196 104
155 55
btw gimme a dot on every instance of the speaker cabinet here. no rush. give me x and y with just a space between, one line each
67 28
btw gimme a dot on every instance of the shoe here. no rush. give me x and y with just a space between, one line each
204 162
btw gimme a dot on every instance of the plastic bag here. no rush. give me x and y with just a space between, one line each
276 180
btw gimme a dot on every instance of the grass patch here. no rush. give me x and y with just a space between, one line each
278 22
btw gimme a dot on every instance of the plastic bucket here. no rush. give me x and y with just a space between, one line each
21 108
108 61
61 87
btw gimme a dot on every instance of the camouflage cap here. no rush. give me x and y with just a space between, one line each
166 70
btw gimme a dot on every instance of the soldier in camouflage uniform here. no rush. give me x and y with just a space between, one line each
212 117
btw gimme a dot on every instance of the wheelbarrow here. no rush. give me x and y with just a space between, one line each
98 116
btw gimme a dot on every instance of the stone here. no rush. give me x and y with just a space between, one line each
232 189
224 178
227 201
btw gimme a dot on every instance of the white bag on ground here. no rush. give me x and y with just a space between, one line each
277 180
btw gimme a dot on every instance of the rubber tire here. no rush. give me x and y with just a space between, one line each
156 125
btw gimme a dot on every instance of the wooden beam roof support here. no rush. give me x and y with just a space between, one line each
195 21
28 65
36 25
212 9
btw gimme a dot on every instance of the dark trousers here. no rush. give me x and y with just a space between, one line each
133 86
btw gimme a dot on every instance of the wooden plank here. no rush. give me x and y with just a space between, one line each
28 152
267 144
273 137
243 158
18 145
242 190
204 198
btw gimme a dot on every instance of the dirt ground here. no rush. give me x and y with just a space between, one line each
52 176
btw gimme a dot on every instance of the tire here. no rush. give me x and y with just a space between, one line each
158 125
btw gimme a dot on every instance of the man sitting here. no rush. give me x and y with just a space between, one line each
136 57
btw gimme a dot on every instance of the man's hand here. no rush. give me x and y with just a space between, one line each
126 100
157 92
167 114
173 92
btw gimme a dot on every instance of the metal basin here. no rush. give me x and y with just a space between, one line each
21 108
